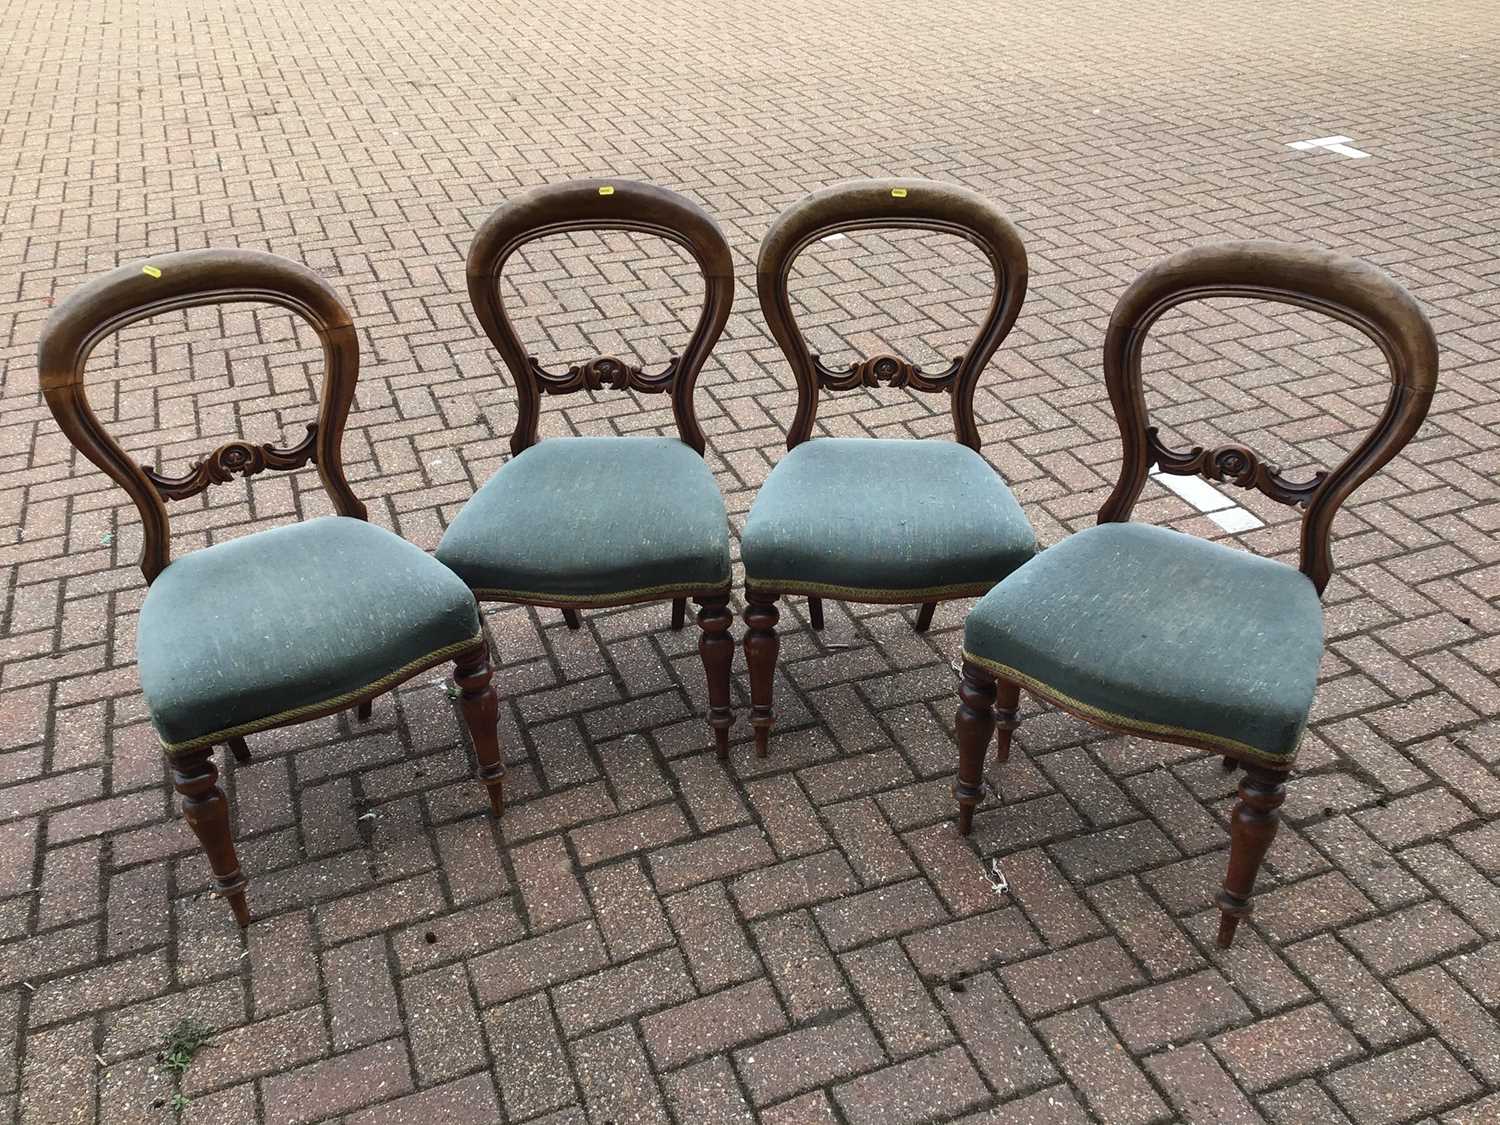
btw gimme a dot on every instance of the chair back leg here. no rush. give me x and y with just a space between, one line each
761 646
716 647
1007 717
973 724
679 612
481 708
206 810
924 617
1256 817
815 613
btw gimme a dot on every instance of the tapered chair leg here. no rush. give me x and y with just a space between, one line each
1256 817
206 810
238 748
365 710
481 709
973 724
761 645
716 647
572 618
815 613
924 617
679 612
1007 717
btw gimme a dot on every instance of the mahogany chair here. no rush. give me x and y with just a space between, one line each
588 522
892 521
1159 634
283 625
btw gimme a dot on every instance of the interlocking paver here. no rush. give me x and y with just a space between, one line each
645 919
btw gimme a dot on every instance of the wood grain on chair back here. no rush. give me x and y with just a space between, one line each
1322 281
183 280
884 204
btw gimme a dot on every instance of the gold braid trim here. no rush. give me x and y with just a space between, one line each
604 601
327 706
868 593
1109 718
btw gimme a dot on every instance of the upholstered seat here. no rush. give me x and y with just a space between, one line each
242 636
1159 632
851 517
593 520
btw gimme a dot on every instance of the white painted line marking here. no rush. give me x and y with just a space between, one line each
1236 520
1339 145
1209 500
834 238
1195 490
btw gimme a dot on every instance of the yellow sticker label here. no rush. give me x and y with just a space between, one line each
607 189
899 192
151 271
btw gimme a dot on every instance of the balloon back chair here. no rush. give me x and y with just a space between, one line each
581 522
282 625
893 521
1163 635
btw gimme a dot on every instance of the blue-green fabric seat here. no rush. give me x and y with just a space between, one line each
888 519
1162 633
580 521
247 634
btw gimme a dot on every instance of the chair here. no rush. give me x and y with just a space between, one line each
580 522
891 521
1159 634
282 625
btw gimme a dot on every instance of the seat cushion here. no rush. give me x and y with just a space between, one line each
1161 633
246 634
885 519
575 521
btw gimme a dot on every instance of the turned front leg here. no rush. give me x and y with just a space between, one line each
761 646
1257 815
206 810
716 647
481 708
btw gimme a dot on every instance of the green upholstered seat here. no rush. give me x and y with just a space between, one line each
1161 633
575 521
884 518
246 634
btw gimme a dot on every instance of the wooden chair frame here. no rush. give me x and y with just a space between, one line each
620 205
873 205
188 279
1318 280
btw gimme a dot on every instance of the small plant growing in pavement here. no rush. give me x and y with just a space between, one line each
183 1042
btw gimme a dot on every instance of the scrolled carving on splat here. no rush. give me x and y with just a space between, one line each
888 369
235 458
1233 464
604 371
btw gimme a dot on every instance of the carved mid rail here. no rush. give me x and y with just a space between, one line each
235 458
604 371
888 369
1233 464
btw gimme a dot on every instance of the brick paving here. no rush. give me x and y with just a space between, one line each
648 936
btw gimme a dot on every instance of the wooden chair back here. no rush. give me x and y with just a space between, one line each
595 205
183 280
892 203
1322 281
